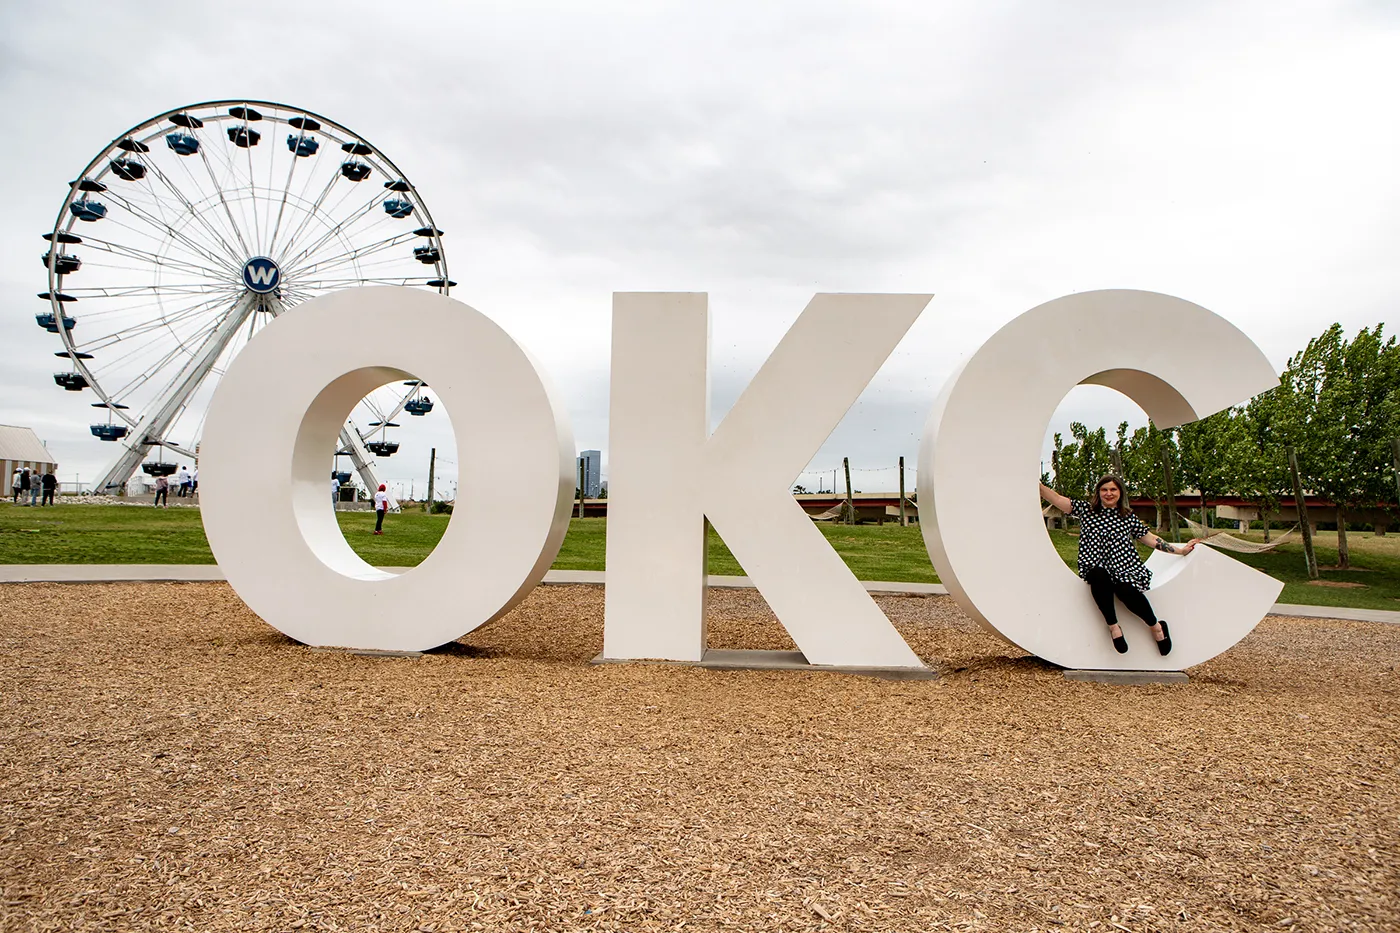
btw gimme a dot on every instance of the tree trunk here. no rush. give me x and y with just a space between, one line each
1265 516
1171 494
1395 447
1343 553
1309 555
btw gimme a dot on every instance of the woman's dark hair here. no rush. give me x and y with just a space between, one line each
1097 504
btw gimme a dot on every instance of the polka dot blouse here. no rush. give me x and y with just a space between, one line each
1106 540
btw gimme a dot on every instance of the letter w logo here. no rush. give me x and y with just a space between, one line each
261 274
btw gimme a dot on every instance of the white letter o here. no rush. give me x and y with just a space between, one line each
266 456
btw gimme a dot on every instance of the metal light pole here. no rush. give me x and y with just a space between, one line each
432 471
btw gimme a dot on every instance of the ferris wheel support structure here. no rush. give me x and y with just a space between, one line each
172 401
354 446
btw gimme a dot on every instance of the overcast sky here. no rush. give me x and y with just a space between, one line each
998 154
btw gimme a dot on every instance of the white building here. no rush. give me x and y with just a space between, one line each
20 448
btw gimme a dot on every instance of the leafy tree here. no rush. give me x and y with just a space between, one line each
1079 465
1052 478
1204 458
1337 405
1120 447
1370 390
1142 463
1256 463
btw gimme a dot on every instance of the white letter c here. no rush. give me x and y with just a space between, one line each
980 456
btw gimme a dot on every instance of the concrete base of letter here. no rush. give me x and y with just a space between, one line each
365 652
1128 678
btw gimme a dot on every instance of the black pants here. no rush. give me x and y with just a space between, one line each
48 497
378 519
1105 588
162 494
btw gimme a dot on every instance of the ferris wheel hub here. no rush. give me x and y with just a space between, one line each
261 275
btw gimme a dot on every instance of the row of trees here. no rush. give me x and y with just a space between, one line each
1337 407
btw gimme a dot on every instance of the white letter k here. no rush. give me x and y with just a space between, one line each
658 432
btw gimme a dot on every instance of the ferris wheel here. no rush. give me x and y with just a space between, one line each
192 230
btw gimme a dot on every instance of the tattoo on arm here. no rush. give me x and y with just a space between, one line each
1164 546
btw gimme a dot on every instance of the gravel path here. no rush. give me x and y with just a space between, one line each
169 762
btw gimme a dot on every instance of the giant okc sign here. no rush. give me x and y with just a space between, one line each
279 410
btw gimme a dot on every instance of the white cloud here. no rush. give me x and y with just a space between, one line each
999 155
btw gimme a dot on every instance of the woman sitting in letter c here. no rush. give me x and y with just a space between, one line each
1109 563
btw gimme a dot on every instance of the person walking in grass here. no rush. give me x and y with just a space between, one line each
15 485
50 483
381 505
25 484
1109 563
162 499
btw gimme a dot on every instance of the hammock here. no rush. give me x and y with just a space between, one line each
1220 539
836 513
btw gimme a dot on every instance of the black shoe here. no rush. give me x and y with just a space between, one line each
1121 644
1165 645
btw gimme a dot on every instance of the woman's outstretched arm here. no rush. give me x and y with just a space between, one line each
1157 543
1054 498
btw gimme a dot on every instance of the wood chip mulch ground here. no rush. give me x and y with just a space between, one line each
170 762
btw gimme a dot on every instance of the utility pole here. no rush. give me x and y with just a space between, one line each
903 519
1308 554
850 503
580 487
432 471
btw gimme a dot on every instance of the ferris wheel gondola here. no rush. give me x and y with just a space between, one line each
193 236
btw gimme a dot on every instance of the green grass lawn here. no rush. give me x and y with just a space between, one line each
1375 565
94 534
101 534
873 552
